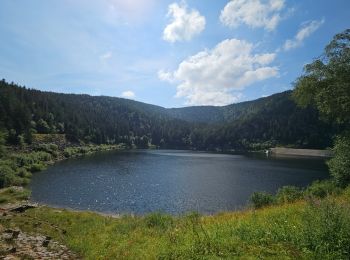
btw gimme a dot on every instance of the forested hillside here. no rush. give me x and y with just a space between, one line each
225 114
82 118
85 118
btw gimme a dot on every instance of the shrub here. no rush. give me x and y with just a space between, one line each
67 152
326 230
22 160
23 173
261 199
339 165
321 189
24 181
289 194
26 160
42 156
70 152
37 167
49 148
7 176
3 137
84 150
8 163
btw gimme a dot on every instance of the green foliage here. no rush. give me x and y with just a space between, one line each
322 189
288 194
339 165
29 159
49 148
261 199
13 174
326 85
37 167
83 150
7 175
158 220
24 173
13 194
42 126
69 152
21 141
326 82
3 137
326 230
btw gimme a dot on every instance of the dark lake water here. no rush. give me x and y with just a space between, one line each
166 180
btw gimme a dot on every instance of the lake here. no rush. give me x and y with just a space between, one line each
172 181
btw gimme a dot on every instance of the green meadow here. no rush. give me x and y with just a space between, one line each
312 228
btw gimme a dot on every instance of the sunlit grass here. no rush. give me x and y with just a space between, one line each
13 194
316 229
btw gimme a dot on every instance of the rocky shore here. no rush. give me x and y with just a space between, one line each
16 244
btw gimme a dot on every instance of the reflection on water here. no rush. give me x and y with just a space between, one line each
165 180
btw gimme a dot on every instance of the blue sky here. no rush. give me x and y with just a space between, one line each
168 53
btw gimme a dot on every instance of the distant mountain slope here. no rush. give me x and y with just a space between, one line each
277 118
86 118
204 114
253 124
229 113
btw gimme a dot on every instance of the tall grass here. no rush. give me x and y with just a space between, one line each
312 229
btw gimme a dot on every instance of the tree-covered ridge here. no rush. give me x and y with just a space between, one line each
248 125
279 121
82 117
225 114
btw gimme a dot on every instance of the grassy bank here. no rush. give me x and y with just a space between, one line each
18 165
311 229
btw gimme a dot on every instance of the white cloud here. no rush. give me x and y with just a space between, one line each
306 30
209 77
218 98
184 25
254 13
165 76
128 94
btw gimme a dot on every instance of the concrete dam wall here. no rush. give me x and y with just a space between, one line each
301 152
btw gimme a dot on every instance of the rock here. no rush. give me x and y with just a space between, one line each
45 243
12 250
15 234
22 208
15 244
7 237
